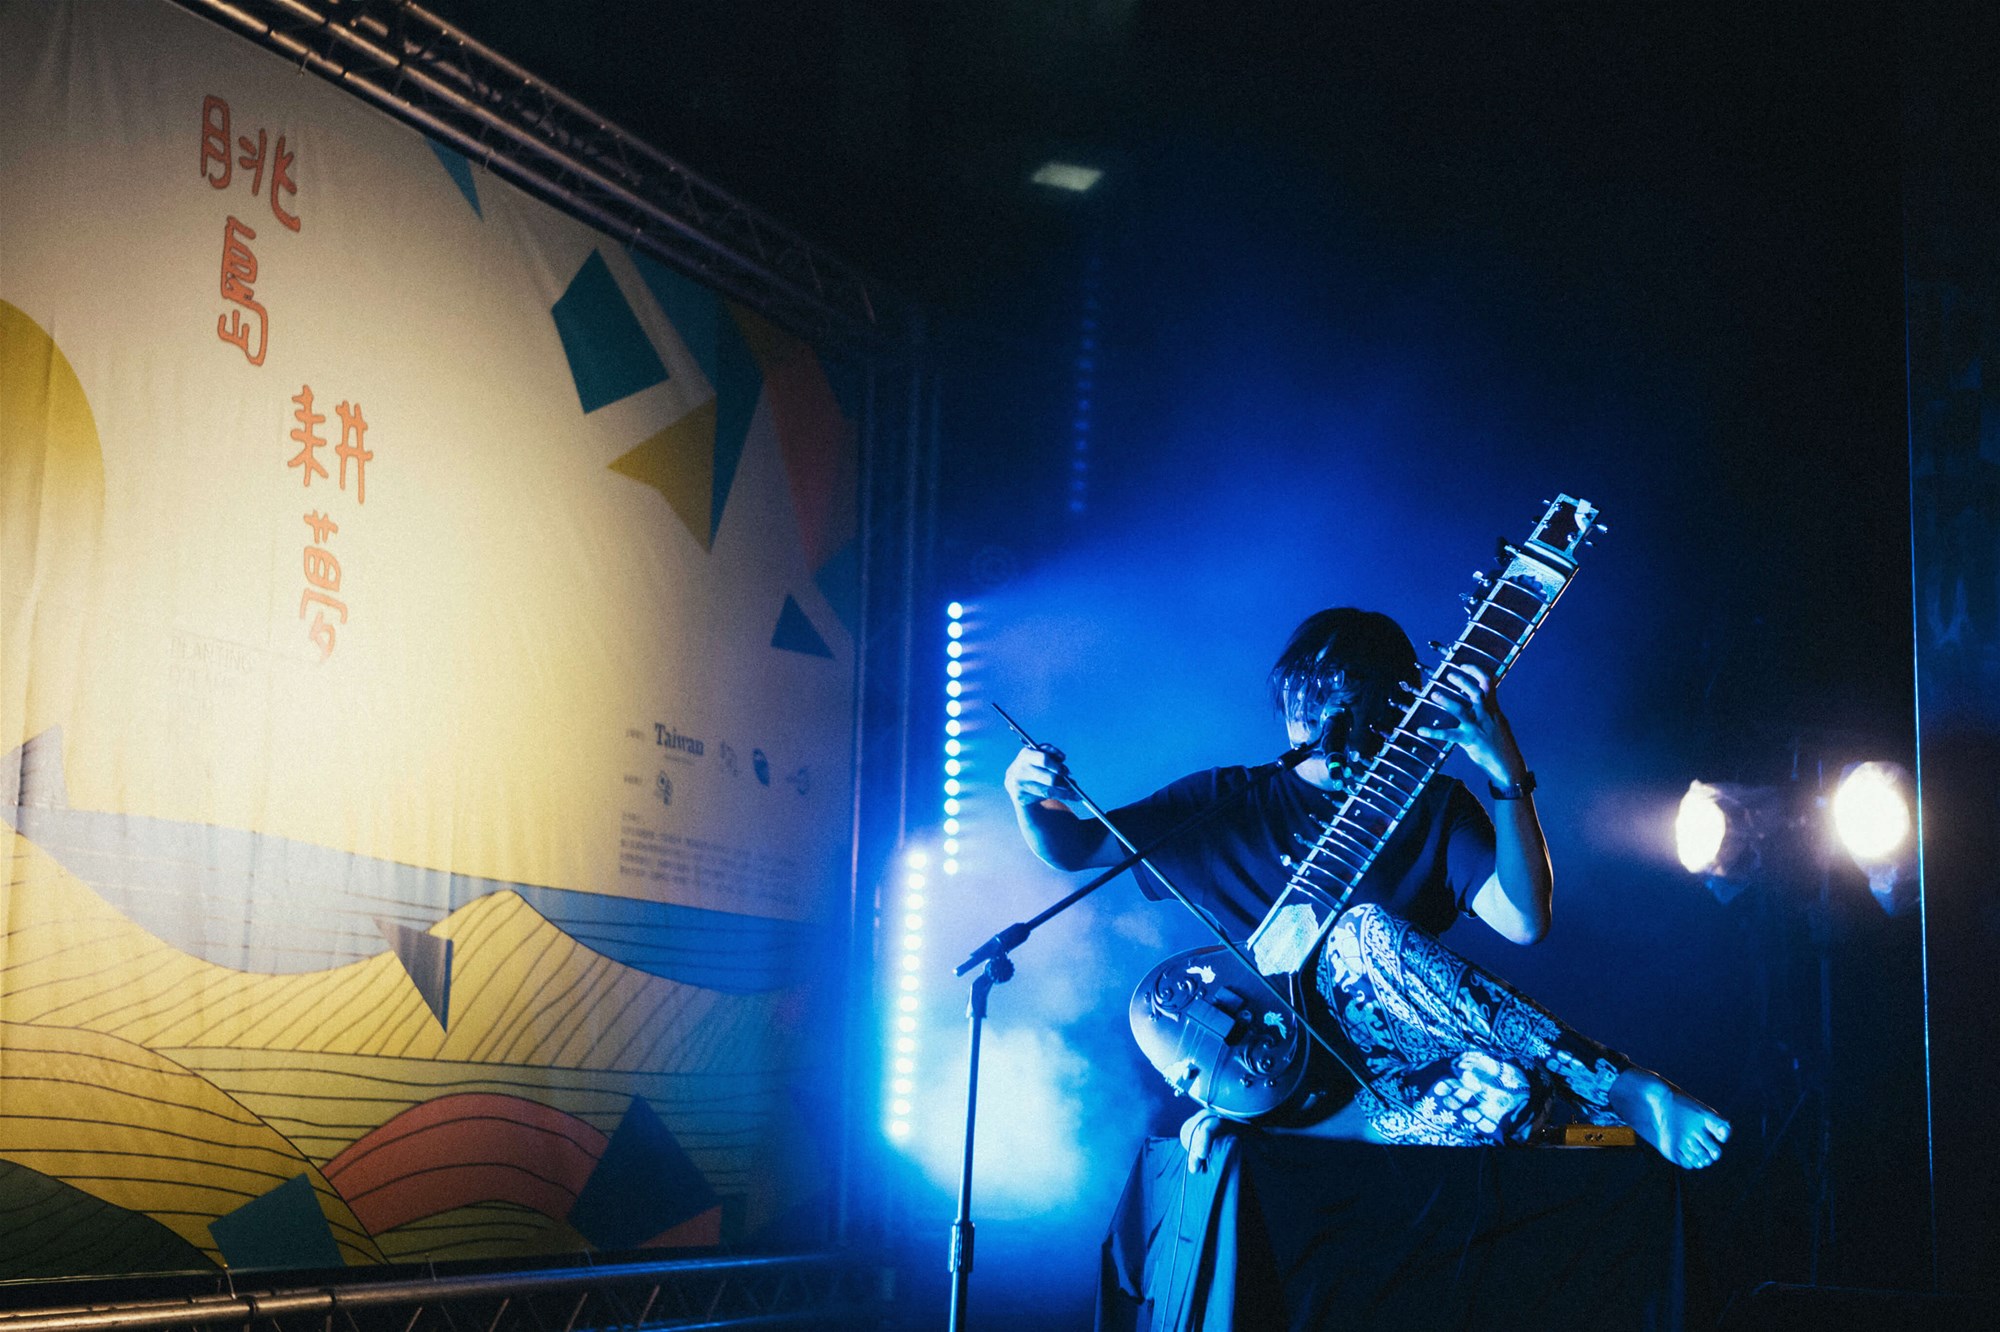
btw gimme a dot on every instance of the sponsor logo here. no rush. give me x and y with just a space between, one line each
666 737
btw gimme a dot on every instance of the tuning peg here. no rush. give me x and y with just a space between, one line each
1481 577
1437 647
1467 600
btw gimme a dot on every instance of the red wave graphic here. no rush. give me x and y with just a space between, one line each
472 1147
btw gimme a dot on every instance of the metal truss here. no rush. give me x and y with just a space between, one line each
429 74
823 1291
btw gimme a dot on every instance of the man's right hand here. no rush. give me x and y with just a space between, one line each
1038 774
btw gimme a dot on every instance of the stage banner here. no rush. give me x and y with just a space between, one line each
426 693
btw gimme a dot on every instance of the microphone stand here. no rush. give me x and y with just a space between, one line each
998 968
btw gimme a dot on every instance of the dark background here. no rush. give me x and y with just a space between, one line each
1363 284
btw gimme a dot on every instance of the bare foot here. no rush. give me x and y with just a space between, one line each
1680 1128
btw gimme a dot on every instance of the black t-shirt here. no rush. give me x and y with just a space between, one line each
1439 856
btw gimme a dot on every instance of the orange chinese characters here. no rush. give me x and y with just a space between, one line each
252 160
215 141
353 427
322 570
239 270
282 184
306 435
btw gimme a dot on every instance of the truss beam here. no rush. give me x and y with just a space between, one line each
429 74
822 1291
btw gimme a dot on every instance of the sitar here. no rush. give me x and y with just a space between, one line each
1216 1031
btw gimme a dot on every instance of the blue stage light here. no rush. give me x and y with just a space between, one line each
916 862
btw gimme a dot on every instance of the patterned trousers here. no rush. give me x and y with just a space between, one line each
1454 1057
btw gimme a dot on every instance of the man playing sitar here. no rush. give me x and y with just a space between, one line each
1446 1053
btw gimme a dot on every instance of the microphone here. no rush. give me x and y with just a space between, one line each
1291 758
1333 735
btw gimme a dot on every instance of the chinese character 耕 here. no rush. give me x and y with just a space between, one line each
353 425
306 436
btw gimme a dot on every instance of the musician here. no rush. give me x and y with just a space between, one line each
1449 1054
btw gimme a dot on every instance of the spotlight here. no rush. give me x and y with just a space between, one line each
1719 833
1873 821
1700 828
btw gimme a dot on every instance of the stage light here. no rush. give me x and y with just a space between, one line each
953 727
1719 832
1066 176
954 669
951 788
956 610
1699 828
951 807
953 708
951 867
953 688
915 860
1871 813
954 648
954 629
1873 821
951 827
953 747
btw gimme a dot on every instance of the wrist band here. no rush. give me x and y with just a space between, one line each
1520 790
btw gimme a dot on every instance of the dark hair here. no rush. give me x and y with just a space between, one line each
1344 651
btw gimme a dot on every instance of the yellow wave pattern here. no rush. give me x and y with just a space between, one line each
138 1131
488 1230
317 1060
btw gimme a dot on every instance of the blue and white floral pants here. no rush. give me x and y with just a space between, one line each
1453 1056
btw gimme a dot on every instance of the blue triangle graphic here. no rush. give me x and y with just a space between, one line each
796 634
460 171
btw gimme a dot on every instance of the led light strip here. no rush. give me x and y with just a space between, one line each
902 1061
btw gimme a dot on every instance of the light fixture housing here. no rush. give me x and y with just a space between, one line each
1069 176
1873 812
1719 833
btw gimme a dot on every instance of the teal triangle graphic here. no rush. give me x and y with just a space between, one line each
796 634
284 1228
644 1183
738 385
693 310
609 355
718 347
839 581
460 171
